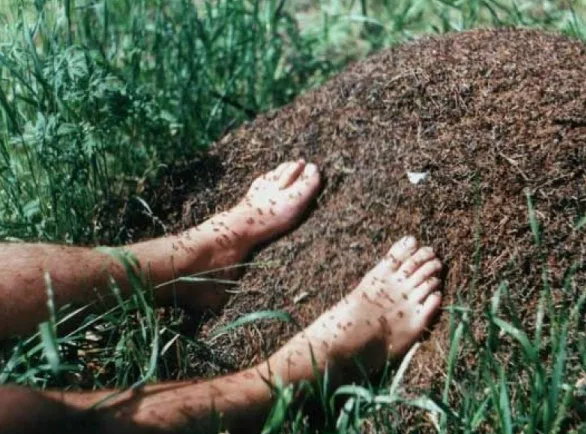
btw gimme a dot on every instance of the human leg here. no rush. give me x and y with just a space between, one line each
381 318
81 276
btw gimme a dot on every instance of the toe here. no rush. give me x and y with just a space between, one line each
424 272
420 293
310 184
401 251
415 261
310 177
429 308
310 173
281 168
290 174
275 174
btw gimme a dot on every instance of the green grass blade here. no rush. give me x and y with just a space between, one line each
519 336
50 346
398 378
505 405
263 315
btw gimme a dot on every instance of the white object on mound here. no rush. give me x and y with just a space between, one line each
417 177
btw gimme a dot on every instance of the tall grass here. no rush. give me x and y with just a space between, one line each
97 96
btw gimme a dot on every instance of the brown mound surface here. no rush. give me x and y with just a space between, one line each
488 114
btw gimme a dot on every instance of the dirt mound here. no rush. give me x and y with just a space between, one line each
487 115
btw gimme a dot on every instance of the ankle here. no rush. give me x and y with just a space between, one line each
228 238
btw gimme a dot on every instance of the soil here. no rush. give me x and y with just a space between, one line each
490 116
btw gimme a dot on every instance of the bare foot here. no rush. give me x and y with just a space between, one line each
275 201
381 318
273 205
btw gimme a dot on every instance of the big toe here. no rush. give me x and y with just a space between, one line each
289 173
306 184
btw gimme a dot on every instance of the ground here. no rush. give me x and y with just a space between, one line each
492 117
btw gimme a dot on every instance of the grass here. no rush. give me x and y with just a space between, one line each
97 96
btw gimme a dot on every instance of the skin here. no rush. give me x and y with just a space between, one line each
381 318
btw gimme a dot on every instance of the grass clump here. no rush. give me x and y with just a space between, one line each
96 97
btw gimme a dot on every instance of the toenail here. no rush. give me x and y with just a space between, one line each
310 169
409 241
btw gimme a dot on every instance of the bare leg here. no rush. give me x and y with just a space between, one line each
80 276
382 317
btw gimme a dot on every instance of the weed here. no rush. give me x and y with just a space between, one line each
96 97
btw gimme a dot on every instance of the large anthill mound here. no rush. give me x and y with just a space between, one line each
489 115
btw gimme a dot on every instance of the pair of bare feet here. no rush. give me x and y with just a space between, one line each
381 318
